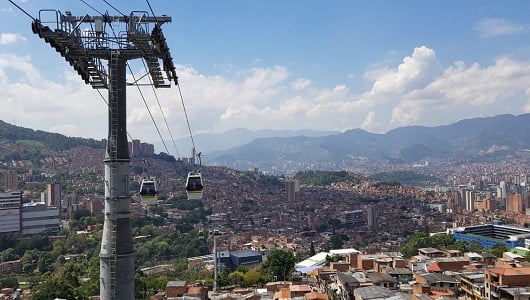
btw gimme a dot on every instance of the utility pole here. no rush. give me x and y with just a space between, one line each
84 42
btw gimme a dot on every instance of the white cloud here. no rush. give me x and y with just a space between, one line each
369 123
492 27
8 10
417 91
65 129
38 103
10 38
301 84
466 91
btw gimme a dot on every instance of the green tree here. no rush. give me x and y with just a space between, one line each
312 249
51 289
335 242
475 246
279 264
8 281
8 255
251 277
236 278
499 249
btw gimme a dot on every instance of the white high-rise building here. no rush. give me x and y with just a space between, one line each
371 217
470 200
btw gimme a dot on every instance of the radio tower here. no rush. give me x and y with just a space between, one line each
85 42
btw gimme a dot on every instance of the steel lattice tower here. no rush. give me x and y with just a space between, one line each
85 49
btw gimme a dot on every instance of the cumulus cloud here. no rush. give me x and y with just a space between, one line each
418 91
301 84
369 123
467 91
10 38
492 27
39 103
65 129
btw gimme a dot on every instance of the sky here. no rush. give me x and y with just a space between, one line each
276 64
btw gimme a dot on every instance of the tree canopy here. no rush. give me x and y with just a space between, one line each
279 264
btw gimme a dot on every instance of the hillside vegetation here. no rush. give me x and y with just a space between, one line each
39 138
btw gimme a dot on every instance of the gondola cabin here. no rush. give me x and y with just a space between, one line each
148 191
194 186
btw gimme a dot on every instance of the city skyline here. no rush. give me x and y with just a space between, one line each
374 65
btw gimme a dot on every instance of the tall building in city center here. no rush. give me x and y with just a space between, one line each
514 202
470 200
53 195
292 188
10 181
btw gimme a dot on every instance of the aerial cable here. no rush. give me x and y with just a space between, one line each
186 114
107 104
22 10
162 111
140 91
148 110
180 93
154 92
115 8
151 9
138 87
91 7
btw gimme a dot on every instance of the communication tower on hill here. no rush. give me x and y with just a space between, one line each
85 42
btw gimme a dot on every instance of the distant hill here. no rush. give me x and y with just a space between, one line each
210 142
477 139
472 139
52 141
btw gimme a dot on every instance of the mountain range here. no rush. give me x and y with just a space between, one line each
210 142
487 138
471 139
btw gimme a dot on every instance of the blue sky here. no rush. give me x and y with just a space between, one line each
324 65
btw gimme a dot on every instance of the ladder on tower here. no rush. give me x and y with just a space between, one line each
113 107
113 153
112 260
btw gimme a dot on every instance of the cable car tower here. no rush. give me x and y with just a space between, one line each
85 42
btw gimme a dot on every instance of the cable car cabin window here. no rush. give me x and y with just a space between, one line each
194 184
148 188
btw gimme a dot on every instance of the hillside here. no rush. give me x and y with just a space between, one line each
39 138
478 139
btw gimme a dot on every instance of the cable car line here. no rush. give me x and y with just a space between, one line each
194 183
186 114
135 82
154 92
22 10
151 9
92 7
163 114
114 8
148 110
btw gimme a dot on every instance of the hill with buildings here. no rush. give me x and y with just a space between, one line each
283 152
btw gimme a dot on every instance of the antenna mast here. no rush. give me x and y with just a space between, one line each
85 49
